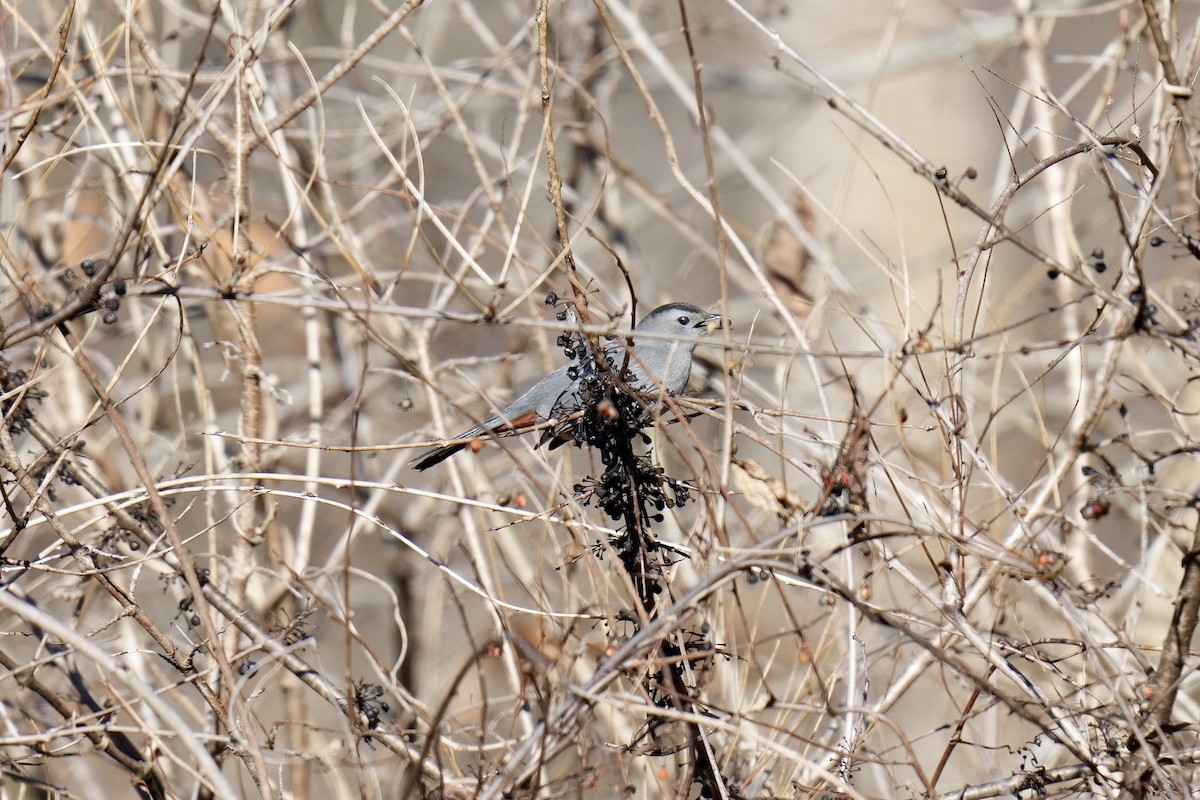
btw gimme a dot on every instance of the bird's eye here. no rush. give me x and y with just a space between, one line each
684 320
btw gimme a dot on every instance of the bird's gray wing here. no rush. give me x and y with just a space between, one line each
533 407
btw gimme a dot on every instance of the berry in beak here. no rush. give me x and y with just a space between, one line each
710 323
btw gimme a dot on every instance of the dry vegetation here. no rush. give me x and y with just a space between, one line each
941 535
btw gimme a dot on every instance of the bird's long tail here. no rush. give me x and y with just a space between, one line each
437 455
496 426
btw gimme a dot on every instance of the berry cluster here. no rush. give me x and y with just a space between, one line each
607 414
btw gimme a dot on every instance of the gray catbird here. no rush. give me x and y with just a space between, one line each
669 361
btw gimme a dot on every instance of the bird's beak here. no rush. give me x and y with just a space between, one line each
711 323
